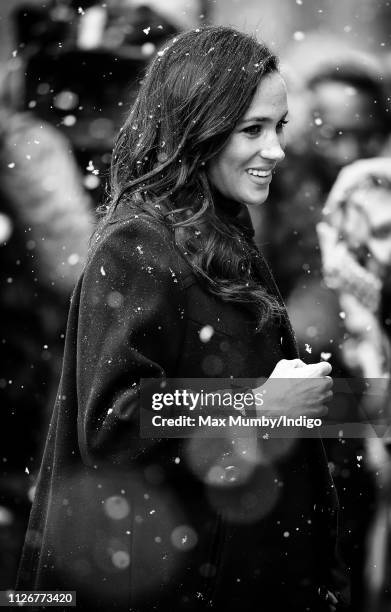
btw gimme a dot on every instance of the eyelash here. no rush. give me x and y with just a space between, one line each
249 130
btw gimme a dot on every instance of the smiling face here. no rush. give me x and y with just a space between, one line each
242 171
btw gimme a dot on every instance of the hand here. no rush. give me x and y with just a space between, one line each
301 389
354 174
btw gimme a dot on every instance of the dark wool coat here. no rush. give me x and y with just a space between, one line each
131 523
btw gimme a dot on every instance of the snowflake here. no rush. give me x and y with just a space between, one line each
206 333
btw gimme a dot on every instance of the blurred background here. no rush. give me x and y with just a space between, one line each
69 70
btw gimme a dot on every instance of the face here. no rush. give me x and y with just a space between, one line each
345 125
375 206
242 171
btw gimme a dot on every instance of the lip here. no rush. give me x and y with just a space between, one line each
261 169
260 180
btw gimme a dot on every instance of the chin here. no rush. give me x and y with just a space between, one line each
257 200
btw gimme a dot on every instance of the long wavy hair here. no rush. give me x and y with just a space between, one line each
195 91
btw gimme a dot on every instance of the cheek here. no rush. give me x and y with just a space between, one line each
224 169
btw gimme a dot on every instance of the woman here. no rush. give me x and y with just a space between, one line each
175 288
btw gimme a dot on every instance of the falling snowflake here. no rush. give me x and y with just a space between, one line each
73 259
206 333
102 271
147 31
325 356
184 537
116 507
120 559
91 167
69 120
298 36
308 348
91 181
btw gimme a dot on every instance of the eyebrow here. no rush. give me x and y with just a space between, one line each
260 119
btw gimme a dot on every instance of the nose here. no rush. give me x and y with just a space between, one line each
274 152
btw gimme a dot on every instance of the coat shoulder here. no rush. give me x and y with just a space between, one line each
138 240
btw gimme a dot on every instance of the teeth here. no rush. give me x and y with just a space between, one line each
261 173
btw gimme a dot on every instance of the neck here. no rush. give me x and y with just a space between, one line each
225 205
233 211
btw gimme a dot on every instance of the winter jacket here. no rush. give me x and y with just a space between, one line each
134 524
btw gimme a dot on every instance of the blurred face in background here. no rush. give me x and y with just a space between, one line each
345 125
371 208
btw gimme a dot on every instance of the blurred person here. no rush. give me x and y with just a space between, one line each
153 523
343 116
45 222
356 254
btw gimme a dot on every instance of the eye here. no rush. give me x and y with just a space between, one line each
281 124
253 130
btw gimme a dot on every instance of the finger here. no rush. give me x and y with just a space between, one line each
317 411
319 370
285 366
328 396
297 363
323 410
327 384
